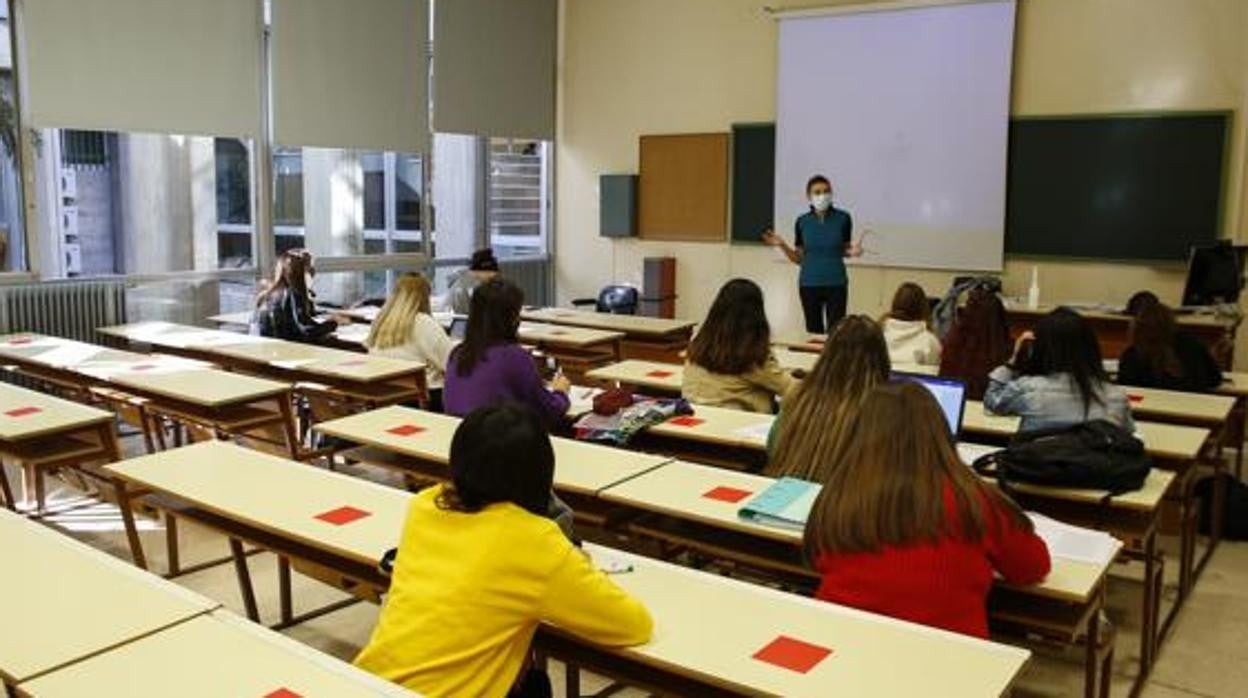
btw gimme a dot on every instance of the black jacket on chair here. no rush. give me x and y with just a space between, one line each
286 315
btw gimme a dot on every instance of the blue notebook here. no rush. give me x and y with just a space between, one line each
786 504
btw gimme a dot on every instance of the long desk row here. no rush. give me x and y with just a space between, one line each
345 524
79 622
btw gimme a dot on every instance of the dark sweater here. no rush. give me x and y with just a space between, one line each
287 315
1198 372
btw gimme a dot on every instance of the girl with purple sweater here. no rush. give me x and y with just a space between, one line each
490 367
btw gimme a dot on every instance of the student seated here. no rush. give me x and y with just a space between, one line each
479 566
482 268
978 342
490 366
1162 357
906 331
730 360
405 329
904 528
1056 378
285 308
816 415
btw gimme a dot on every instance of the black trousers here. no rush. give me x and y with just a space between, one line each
823 306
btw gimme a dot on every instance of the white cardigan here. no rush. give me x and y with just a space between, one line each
429 344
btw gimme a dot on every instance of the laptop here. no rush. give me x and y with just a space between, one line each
950 394
458 328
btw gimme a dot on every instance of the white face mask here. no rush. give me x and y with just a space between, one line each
821 202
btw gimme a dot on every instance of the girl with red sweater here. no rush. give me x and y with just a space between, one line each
904 528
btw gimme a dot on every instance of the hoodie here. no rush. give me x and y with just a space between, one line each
910 342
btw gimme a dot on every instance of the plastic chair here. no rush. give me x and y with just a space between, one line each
617 300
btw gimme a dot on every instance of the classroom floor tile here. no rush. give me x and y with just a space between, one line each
1205 656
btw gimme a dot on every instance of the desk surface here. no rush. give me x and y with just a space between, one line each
1161 440
800 341
580 467
1171 404
26 414
1188 319
719 425
290 356
210 656
633 325
647 374
274 494
1234 384
529 333
64 600
866 649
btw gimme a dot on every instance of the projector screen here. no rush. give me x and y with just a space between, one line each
906 110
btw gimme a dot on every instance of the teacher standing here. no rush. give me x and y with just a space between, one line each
822 241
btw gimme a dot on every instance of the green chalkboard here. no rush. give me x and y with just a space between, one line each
753 180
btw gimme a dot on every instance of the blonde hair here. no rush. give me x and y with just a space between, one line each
816 415
393 326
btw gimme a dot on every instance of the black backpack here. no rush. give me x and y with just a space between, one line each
1096 455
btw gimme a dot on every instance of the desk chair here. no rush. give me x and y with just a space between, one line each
617 300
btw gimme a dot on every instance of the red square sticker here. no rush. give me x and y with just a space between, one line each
660 374
405 430
685 421
556 333
283 693
343 515
23 411
142 367
1135 398
794 655
732 495
21 340
353 362
816 340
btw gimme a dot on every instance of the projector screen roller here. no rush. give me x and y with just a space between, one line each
906 110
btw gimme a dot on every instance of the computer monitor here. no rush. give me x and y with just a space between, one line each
1214 274
950 394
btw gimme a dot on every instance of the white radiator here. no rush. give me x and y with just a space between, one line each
70 309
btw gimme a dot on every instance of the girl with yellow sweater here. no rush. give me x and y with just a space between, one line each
479 566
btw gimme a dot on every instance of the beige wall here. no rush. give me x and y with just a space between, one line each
633 67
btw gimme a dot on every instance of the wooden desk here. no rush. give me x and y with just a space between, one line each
322 371
142 388
40 432
273 503
721 436
644 337
746 618
1113 329
675 510
64 601
646 376
210 656
804 341
582 470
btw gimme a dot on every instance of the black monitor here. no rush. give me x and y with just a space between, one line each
1214 274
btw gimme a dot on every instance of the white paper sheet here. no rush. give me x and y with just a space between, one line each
1075 543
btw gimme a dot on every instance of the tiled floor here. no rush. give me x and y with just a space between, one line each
1205 655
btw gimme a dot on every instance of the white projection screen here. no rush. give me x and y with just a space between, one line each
906 109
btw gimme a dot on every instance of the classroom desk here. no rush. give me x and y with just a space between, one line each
332 373
419 442
210 656
40 432
644 337
745 618
1113 329
273 503
670 504
142 388
641 375
235 487
64 600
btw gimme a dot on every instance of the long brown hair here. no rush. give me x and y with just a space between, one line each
816 415
886 486
910 303
978 342
736 336
289 274
393 326
493 319
1154 334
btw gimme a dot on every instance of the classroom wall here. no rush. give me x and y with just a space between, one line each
658 66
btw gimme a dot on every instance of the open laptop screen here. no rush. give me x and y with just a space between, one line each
949 393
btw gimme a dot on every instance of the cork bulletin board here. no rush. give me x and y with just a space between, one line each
683 187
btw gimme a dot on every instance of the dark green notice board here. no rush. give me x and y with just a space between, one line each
753 180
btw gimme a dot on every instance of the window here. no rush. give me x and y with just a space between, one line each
518 203
235 234
12 230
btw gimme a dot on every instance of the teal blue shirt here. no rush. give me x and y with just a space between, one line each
823 247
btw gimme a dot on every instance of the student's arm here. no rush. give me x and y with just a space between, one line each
933 350
1018 555
771 377
303 322
1004 396
433 345
552 405
582 600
